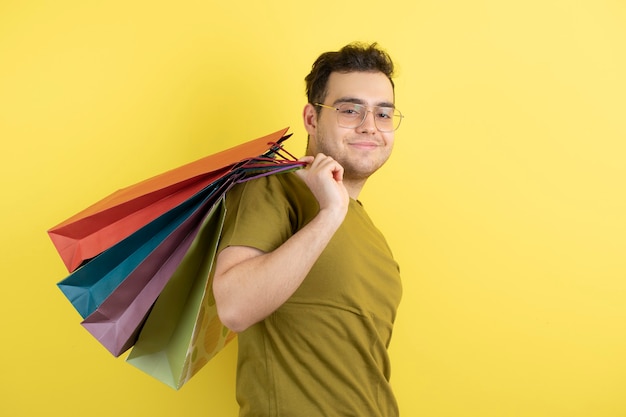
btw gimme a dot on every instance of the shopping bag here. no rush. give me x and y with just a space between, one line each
100 226
117 320
119 299
167 256
110 282
183 331
87 287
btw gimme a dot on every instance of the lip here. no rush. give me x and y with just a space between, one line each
364 145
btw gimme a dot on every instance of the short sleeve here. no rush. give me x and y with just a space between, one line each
263 213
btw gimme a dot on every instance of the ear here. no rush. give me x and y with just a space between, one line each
309 117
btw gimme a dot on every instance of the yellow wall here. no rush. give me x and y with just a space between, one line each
504 201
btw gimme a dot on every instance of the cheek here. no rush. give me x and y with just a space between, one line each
389 140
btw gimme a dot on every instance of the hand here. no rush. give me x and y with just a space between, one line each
324 177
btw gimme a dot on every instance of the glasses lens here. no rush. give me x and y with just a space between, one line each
351 115
385 118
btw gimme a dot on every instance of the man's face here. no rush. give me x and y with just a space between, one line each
361 150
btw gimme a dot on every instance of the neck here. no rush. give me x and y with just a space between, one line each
353 187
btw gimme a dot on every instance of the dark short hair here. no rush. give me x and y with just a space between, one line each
354 57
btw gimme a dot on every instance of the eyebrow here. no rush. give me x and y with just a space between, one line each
362 102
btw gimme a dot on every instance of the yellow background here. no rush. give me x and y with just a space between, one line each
504 200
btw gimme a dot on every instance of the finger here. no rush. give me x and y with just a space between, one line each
317 159
308 159
328 164
337 172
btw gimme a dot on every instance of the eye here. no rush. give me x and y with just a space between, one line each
350 109
384 113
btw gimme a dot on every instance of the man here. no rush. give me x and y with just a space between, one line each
302 274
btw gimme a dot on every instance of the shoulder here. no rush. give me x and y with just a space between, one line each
287 187
264 212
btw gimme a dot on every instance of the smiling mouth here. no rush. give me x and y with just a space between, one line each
364 144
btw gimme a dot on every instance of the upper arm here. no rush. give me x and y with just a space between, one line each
233 255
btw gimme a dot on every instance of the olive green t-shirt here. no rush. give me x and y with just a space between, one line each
323 352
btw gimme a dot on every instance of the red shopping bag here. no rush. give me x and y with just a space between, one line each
88 233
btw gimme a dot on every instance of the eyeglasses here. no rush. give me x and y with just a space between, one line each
352 115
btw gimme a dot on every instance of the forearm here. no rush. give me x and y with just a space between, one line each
250 289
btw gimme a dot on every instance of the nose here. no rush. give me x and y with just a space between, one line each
369 123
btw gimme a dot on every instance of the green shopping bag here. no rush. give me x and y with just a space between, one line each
183 330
